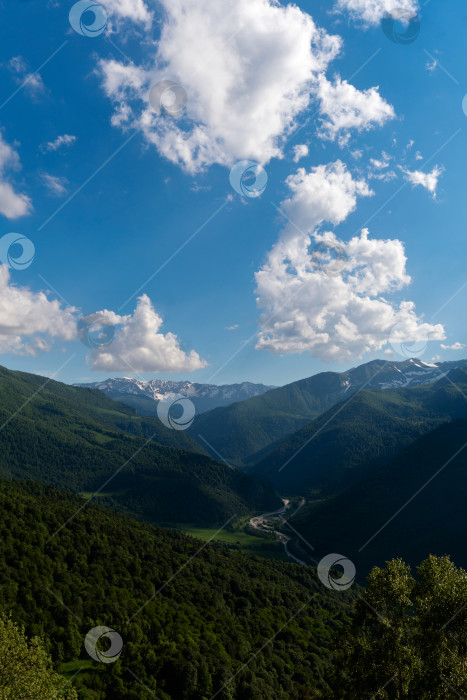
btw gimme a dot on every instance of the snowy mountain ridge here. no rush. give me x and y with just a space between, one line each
205 396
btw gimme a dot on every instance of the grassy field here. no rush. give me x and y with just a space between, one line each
236 539
239 539
101 494
69 669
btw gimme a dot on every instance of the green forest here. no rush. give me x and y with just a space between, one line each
199 628
232 626
96 503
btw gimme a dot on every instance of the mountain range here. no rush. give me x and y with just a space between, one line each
82 441
374 429
379 471
242 431
144 396
345 443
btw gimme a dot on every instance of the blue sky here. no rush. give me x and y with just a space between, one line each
137 210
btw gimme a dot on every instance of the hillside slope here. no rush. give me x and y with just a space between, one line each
418 499
27 392
211 617
243 431
349 440
78 439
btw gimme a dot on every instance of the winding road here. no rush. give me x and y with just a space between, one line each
259 523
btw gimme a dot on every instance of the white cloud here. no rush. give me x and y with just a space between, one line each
427 180
12 204
347 108
385 176
29 320
135 10
59 142
54 184
454 346
373 11
330 300
381 163
378 168
32 82
249 69
300 151
140 346
232 328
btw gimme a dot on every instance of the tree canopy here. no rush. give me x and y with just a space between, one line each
409 637
26 669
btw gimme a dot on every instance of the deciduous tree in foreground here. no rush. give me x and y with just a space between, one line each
26 670
409 638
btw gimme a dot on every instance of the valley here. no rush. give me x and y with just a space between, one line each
233 350
121 504
267 523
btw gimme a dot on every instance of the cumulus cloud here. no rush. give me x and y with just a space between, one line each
454 346
134 10
427 180
300 151
373 11
249 69
329 297
139 345
345 108
12 204
29 321
59 142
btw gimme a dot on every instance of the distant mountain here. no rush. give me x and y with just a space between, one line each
78 439
350 439
240 432
144 396
417 500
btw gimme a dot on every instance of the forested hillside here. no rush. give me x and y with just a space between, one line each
78 439
410 507
343 445
245 431
215 618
